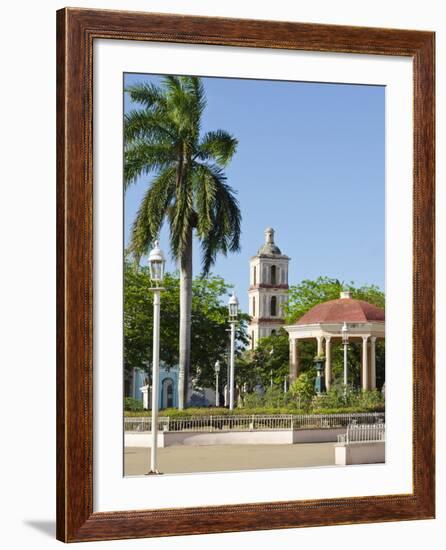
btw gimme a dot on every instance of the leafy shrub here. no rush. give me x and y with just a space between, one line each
253 401
371 399
132 404
340 396
302 389
299 400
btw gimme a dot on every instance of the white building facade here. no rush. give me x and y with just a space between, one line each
268 289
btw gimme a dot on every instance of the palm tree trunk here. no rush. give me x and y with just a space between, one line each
185 321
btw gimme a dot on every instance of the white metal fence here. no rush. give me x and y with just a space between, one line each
253 422
144 424
363 433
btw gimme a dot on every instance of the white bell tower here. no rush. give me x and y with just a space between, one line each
268 289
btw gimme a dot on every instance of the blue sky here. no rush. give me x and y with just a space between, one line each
310 163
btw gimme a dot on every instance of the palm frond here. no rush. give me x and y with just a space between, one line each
185 104
151 212
147 94
219 146
194 88
145 124
142 157
204 193
181 217
222 233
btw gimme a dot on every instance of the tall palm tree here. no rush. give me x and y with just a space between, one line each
188 187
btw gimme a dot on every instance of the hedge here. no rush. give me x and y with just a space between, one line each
206 411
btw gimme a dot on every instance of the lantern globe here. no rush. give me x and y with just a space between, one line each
157 263
233 307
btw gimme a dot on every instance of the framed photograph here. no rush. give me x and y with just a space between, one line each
245 275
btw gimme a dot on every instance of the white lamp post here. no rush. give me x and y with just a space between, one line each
156 265
217 394
271 353
233 314
344 332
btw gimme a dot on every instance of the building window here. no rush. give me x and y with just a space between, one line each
273 307
252 340
254 307
254 278
273 332
273 274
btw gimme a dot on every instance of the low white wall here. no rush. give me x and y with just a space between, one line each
360 453
323 435
258 437
232 437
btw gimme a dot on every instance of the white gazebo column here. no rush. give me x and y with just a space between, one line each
373 362
365 369
294 359
320 340
328 373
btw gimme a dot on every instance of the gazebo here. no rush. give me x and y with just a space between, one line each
365 322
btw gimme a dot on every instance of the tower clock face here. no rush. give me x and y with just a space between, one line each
268 288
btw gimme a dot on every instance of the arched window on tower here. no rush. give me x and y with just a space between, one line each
254 276
273 306
254 306
273 274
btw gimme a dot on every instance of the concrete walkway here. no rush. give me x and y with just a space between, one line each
189 459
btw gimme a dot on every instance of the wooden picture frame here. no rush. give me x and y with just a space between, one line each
76 31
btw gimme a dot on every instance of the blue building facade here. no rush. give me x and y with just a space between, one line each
168 386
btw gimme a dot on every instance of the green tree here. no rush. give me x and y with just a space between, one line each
138 318
303 389
272 356
308 293
209 320
210 338
188 188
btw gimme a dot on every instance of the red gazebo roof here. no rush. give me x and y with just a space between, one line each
342 310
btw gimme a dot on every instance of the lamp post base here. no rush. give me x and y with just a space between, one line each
153 473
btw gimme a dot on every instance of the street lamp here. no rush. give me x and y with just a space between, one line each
217 372
271 353
319 383
233 314
157 263
344 333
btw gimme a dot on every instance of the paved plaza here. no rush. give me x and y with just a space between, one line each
218 458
